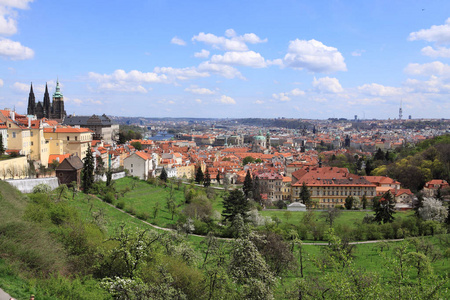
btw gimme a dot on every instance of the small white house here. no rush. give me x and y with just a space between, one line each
296 206
138 164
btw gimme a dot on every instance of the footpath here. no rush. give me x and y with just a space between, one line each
4 296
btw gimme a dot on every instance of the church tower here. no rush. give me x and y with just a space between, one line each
31 102
58 111
47 108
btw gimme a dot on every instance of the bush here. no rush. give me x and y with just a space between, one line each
131 210
109 197
120 205
143 216
42 188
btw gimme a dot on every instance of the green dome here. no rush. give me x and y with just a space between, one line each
57 93
259 137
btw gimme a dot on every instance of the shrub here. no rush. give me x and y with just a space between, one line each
120 205
131 210
42 188
109 197
143 216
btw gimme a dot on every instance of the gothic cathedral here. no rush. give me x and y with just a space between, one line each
54 110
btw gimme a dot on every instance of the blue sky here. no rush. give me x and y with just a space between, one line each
301 59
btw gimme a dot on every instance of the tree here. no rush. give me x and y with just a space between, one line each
305 195
207 179
257 190
199 175
248 184
384 209
379 155
331 214
218 177
433 210
170 201
247 160
108 177
364 202
88 171
235 203
137 145
163 175
349 202
2 147
100 168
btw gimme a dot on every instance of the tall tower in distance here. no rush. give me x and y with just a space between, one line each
400 111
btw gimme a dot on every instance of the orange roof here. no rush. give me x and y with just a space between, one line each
67 130
58 158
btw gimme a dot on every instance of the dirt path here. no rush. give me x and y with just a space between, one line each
229 239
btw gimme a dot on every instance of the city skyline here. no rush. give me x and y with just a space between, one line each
233 59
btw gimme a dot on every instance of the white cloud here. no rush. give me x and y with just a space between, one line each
14 50
438 52
258 102
428 69
181 73
358 52
202 54
297 92
247 58
21 87
199 91
287 96
219 69
177 41
8 15
132 76
122 87
375 89
232 43
198 100
437 33
77 101
327 85
314 56
434 85
284 97
1 82
226 100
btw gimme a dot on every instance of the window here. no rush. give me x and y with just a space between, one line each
31 133
68 138
31 143
76 138
14 135
131 165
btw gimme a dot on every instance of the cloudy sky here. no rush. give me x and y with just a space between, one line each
301 59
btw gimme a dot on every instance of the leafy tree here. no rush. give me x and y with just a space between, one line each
199 176
108 177
248 267
305 195
364 202
369 167
137 145
170 201
163 175
331 214
247 160
385 208
88 171
248 184
257 190
235 203
349 202
207 179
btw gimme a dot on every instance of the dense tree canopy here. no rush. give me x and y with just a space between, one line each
235 203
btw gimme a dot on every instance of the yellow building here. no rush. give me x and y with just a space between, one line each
14 168
185 170
72 140
18 137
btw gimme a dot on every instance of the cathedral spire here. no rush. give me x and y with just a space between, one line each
31 102
46 103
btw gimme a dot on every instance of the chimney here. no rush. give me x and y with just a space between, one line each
29 122
54 129
13 115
